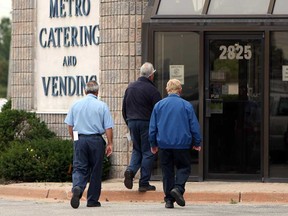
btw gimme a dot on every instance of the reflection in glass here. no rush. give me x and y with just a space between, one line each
177 54
281 7
238 7
235 108
181 7
278 142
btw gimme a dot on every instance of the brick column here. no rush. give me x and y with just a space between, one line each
22 54
120 60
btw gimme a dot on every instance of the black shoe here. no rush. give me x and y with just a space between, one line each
128 181
75 200
98 204
146 188
175 193
169 204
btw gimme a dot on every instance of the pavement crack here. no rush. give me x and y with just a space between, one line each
48 193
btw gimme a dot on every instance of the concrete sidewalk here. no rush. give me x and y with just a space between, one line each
115 191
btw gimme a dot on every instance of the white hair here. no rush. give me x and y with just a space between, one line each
147 69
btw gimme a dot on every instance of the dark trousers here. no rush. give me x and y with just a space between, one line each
87 165
171 159
142 156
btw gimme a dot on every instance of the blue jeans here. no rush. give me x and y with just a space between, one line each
142 156
169 159
87 165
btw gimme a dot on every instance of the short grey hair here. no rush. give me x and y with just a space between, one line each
91 87
147 69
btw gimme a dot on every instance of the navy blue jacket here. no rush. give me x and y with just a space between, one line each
139 100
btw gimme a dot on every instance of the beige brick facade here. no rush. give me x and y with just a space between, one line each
120 60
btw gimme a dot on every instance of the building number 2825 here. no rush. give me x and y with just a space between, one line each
235 52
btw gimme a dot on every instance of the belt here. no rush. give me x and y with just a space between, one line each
90 135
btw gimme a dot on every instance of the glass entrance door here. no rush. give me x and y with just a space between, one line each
233 106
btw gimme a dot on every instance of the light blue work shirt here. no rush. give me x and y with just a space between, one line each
89 116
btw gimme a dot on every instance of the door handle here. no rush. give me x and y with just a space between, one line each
208 108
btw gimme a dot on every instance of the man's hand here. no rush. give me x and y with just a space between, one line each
108 150
109 135
196 148
154 150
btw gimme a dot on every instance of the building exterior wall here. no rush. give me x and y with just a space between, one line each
120 60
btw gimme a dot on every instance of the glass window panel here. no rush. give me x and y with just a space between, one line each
228 7
281 7
235 105
178 51
181 7
278 134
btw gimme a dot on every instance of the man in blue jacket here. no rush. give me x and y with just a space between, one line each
139 100
174 130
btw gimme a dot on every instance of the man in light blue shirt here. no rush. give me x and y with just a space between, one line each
87 120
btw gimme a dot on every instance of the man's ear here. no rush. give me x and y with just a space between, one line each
151 77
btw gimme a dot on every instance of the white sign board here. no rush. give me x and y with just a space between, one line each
285 72
67 53
177 72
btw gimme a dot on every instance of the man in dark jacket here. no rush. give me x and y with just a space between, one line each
175 130
139 100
